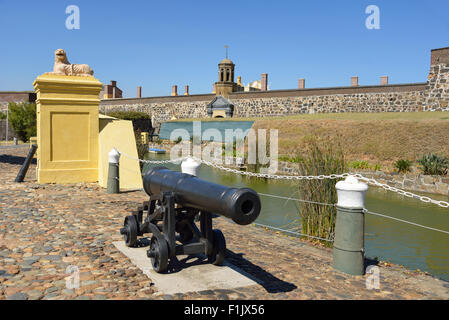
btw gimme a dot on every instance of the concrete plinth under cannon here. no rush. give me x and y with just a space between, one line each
196 277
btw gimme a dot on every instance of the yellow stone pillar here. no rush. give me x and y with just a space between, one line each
67 128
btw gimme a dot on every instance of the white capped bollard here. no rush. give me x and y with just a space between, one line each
349 248
113 171
351 193
190 166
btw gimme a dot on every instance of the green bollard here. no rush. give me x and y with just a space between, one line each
348 251
113 172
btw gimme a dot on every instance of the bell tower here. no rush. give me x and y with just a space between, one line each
225 83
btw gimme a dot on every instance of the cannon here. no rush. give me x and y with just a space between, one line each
176 202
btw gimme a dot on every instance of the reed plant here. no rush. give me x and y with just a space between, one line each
321 157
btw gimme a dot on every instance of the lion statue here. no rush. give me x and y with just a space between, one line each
64 67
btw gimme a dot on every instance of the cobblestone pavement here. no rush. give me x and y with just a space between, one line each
44 229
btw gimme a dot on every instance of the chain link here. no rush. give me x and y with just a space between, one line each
425 199
370 181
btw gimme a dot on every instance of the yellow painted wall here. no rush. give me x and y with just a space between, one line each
119 134
67 128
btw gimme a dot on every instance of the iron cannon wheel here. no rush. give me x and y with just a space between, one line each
158 253
218 252
130 230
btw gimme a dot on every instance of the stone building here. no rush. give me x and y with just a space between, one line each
225 84
15 96
431 95
220 107
111 91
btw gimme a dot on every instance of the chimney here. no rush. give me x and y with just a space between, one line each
354 81
383 80
139 92
187 90
439 56
301 83
113 91
264 82
239 81
174 90
113 83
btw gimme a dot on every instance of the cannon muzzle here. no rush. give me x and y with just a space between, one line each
242 205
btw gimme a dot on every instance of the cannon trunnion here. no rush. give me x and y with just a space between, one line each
176 201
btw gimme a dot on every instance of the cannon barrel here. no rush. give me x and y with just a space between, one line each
242 205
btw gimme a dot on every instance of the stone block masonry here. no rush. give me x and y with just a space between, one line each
408 181
432 95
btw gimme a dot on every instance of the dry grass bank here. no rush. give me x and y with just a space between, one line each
377 138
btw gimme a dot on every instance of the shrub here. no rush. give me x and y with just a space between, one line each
288 158
129 115
434 164
2 115
22 117
359 164
316 219
403 166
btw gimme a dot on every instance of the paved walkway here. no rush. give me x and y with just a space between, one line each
46 230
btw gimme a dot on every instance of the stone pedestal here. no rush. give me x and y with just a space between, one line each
67 128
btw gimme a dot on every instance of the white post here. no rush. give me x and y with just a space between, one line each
190 166
113 172
349 246
351 193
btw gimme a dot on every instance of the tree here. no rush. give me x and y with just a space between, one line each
22 117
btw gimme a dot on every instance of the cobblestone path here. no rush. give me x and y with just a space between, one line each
46 229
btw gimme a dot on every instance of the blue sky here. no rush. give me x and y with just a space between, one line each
156 44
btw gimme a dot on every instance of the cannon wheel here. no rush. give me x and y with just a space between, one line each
130 231
218 253
158 253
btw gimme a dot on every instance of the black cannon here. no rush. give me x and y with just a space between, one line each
176 201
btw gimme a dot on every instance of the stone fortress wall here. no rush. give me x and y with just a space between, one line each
432 95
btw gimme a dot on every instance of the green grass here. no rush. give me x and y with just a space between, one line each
415 116
324 157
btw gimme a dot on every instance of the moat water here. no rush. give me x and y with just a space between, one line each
389 240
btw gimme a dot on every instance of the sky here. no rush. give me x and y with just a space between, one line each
157 44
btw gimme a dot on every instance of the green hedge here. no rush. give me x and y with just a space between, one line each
129 115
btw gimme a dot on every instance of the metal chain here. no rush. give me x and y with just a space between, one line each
443 204
270 176
153 161
371 181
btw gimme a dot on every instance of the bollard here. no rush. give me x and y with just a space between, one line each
113 172
348 251
190 166
26 164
